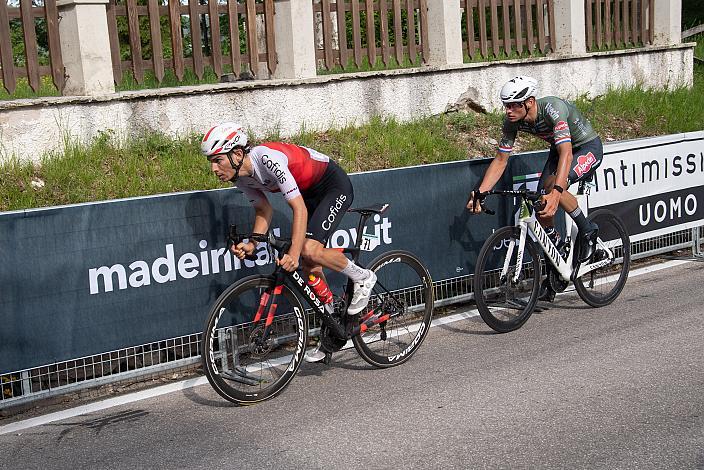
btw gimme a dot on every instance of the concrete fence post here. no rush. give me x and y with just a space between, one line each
262 71
570 33
445 32
295 41
85 47
668 22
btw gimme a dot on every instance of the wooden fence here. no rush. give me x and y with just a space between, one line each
197 33
350 33
502 28
612 24
28 17
180 35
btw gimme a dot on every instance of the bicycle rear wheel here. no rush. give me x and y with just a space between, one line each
245 361
404 292
602 286
504 302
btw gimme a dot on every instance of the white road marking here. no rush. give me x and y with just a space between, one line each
185 384
101 405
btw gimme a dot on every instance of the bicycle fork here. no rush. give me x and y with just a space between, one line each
263 302
509 255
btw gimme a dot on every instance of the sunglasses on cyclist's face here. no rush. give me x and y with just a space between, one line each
512 106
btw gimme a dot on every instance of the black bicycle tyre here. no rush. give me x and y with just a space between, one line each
498 237
220 385
385 361
602 301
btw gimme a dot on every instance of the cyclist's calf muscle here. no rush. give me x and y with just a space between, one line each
314 253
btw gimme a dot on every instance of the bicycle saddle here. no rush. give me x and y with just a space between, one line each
373 209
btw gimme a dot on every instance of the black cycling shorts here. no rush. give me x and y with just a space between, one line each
585 160
327 202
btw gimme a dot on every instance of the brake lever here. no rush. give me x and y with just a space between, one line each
234 238
482 203
486 209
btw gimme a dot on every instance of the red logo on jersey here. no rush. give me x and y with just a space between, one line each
584 164
561 126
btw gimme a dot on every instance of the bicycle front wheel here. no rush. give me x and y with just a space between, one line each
600 287
506 292
404 293
245 360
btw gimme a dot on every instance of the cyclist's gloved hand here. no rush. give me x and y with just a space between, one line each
474 203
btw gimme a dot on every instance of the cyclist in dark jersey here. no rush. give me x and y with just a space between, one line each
575 153
317 189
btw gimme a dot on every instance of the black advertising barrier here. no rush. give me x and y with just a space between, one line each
90 278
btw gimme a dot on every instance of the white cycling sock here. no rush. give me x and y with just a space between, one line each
354 272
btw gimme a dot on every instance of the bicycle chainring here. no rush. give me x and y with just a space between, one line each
329 341
556 282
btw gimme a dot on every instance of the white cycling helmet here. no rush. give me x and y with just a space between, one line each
223 138
519 89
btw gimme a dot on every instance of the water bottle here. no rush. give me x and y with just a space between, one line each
320 288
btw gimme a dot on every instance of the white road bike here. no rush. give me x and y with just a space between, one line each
509 269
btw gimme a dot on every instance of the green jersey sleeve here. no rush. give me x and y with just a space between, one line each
509 131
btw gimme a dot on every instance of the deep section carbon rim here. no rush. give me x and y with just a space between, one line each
404 294
505 302
602 286
247 361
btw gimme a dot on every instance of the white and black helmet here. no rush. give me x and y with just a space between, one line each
223 138
519 89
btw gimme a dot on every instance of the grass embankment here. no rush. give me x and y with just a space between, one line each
153 164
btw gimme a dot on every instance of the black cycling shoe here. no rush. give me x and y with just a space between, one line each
546 293
587 244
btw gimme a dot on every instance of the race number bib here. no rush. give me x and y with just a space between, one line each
369 242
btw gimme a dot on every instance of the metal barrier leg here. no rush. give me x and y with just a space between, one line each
26 383
697 251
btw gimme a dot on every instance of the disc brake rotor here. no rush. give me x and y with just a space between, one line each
258 346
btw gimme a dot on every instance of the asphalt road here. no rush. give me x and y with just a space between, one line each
617 387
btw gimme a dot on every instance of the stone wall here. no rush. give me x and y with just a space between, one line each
29 128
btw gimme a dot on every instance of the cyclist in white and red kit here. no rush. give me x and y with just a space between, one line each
317 189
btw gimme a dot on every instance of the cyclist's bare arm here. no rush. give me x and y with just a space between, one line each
262 219
298 234
491 177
